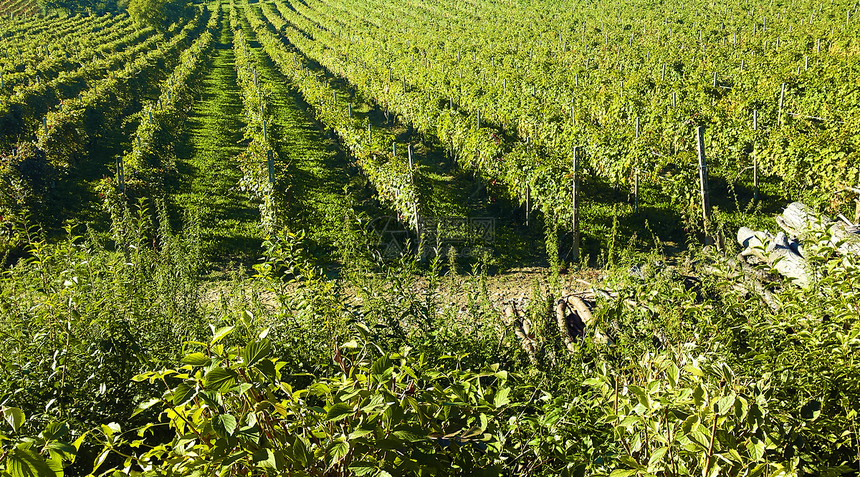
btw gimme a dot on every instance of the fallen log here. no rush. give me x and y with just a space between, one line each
521 325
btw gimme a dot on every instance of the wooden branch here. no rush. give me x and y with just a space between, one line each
514 319
561 320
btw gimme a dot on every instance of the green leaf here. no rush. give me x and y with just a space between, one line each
197 359
362 468
410 434
337 451
254 352
622 473
23 462
265 459
641 395
656 457
219 378
182 394
146 405
54 431
351 344
501 398
382 367
359 433
267 367
629 421
338 411
221 334
14 416
224 424
300 451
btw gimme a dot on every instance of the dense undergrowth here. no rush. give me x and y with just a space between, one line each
119 358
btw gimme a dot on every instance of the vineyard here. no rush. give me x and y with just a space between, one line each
428 237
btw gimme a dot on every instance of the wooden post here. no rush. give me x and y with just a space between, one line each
415 205
674 100
394 149
781 99
636 191
270 162
663 74
703 181
120 174
755 158
528 204
349 109
575 219
636 177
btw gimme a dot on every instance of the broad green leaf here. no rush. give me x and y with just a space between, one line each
501 398
267 367
197 359
622 473
219 378
628 422
224 424
338 411
359 433
694 370
656 458
409 434
23 462
14 416
755 448
362 468
182 393
254 352
381 367
145 405
300 451
337 451
55 430
265 459
221 334
725 404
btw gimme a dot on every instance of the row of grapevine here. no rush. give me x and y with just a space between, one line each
143 167
11 25
16 41
26 40
534 94
66 134
391 174
477 147
18 8
20 113
259 159
99 37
